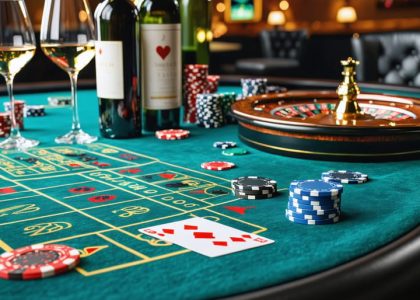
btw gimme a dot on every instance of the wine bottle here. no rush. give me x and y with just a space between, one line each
117 69
161 64
196 31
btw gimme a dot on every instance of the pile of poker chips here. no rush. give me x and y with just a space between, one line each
209 111
217 165
38 261
344 176
212 83
19 112
59 101
224 145
314 202
230 148
254 187
227 99
253 86
195 78
172 134
5 124
34 111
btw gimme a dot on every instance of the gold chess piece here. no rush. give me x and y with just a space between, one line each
347 110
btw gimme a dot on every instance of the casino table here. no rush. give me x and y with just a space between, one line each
373 252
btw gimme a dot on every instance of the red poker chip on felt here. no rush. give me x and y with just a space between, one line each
172 134
38 261
217 165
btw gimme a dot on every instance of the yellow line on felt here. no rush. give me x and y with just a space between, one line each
130 264
24 197
37 218
132 251
262 229
5 246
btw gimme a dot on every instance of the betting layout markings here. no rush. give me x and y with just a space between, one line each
112 227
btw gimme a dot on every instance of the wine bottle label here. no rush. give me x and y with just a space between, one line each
109 69
161 65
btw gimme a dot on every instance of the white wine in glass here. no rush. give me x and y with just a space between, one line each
17 47
68 40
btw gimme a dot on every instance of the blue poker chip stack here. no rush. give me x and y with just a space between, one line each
314 202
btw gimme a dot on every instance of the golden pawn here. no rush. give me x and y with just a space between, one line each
347 110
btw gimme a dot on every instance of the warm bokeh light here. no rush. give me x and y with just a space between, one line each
346 14
284 5
201 35
209 36
220 7
83 16
276 18
219 29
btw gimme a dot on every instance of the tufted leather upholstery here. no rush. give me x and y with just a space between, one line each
282 54
388 57
283 44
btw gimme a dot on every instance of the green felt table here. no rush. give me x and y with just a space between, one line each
120 263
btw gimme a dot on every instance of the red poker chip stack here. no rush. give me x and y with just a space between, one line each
212 83
172 134
5 124
19 111
195 83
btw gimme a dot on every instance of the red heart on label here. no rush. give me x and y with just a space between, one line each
163 51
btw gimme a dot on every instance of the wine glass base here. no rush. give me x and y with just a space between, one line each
18 143
76 137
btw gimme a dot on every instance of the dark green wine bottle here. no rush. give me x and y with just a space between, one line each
161 64
117 69
196 31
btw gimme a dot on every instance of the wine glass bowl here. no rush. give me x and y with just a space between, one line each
17 47
68 40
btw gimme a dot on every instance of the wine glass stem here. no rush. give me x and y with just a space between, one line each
14 133
73 81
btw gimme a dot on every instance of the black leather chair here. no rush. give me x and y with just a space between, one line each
282 54
392 58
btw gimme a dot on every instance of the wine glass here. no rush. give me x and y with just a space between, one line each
17 47
67 38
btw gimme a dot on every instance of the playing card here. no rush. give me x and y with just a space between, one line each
206 237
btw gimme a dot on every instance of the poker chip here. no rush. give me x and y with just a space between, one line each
5 124
253 86
224 145
19 112
313 222
59 101
253 183
315 188
343 176
254 187
315 203
217 165
252 197
234 151
34 111
172 134
314 207
196 82
293 214
212 83
313 198
38 261
313 212
209 111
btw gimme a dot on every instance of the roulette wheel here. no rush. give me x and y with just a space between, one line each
332 125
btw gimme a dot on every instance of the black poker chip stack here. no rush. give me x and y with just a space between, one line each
254 187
